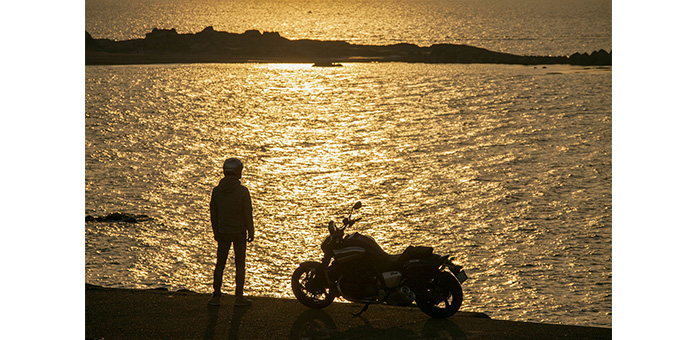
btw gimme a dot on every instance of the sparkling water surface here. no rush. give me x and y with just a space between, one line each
508 168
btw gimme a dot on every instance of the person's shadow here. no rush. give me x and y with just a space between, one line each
213 312
237 315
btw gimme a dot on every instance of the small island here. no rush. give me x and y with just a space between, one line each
211 46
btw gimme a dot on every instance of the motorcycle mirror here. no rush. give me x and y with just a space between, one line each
357 205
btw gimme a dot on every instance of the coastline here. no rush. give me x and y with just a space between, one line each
115 313
211 46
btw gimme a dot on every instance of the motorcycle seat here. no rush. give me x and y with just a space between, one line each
396 261
417 252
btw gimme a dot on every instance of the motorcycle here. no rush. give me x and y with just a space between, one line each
356 268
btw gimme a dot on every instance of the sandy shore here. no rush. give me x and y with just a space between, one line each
160 314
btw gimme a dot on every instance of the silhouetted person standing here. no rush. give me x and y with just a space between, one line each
233 225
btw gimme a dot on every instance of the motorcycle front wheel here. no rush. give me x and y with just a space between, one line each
310 288
441 296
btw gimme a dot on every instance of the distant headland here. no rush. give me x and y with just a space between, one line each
211 46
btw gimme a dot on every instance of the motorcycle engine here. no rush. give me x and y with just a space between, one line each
359 284
402 296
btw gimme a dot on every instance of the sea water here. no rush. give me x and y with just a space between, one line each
508 168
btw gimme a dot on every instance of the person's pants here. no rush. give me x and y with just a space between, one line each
223 251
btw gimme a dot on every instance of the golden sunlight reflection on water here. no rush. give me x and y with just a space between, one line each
507 168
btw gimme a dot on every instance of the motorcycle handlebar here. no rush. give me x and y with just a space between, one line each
347 222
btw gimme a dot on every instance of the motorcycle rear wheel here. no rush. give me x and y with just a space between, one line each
309 288
441 296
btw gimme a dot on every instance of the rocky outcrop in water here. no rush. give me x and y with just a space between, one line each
209 45
597 58
117 217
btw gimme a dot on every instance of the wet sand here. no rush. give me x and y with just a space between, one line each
159 314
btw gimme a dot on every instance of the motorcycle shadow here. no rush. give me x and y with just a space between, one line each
442 329
318 324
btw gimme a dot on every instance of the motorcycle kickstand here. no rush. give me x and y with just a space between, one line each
362 310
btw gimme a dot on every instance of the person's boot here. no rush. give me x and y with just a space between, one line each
242 301
214 300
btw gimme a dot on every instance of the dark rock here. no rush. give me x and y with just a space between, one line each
159 288
252 34
271 35
209 45
214 49
596 58
117 217
91 44
157 33
91 286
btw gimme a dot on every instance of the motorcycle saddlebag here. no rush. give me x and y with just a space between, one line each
419 268
415 253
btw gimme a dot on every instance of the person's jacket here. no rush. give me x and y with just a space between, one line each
230 208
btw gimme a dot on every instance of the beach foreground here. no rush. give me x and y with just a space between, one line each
160 314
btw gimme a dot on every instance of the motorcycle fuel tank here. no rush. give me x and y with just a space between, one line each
348 254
